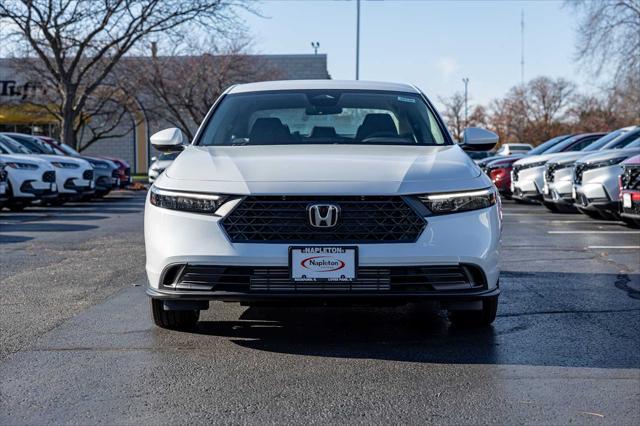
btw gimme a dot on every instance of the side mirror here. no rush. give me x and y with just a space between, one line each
168 140
476 139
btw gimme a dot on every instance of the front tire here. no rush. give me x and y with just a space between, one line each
173 320
483 317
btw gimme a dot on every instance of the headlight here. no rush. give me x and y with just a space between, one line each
23 166
459 201
186 201
99 165
63 165
606 163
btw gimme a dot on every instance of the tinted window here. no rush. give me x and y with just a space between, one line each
598 144
323 117
32 144
13 146
623 141
543 147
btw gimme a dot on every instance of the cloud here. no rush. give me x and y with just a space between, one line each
447 66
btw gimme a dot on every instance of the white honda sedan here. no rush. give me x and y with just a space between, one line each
321 192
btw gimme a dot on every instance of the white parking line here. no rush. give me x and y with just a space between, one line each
614 247
596 222
593 232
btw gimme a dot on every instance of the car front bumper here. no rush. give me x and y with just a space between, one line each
528 186
179 238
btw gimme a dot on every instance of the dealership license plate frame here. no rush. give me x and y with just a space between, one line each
351 278
627 202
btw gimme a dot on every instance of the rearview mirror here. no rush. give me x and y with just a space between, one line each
168 140
477 139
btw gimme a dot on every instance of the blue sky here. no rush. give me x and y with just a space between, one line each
433 44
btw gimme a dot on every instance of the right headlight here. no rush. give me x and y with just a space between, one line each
456 202
186 201
22 166
606 163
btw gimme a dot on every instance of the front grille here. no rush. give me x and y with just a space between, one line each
578 172
115 173
549 172
49 176
3 175
515 171
397 279
631 177
87 175
284 219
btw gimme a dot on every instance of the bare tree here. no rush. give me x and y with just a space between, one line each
547 100
78 43
180 88
454 114
609 35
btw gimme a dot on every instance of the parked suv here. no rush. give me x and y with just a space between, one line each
322 192
74 176
27 178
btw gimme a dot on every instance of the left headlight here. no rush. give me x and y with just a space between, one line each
99 165
456 202
186 201
63 165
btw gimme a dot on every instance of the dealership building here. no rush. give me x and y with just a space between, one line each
18 115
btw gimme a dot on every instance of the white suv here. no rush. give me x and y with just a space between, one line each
319 192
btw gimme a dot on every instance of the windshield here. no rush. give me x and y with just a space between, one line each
32 144
323 117
67 149
635 143
604 140
13 146
623 141
548 144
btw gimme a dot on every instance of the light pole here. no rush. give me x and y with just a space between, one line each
357 39
315 45
466 105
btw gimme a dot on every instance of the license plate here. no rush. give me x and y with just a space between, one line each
573 193
323 263
3 188
513 187
545 189
54 187
626 201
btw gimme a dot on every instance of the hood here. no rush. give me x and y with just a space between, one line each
324 169
609 154
530 159
26 158
633 160
118 161
99 160
569 157
64 159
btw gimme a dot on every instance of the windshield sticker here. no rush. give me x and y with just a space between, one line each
403 99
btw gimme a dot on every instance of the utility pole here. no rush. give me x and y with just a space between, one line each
357 39
466 105
315 45
522 46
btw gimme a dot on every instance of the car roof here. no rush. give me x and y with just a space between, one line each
265 86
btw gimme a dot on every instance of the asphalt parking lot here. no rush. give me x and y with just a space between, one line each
77 344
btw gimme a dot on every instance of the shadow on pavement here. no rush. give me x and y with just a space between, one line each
46 227
6 239
544 319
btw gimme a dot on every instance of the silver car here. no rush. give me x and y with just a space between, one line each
527 175
558 174
596 189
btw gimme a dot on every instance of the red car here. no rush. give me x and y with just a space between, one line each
630 191
500 173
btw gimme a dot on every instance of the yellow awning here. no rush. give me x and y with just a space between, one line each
25 114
